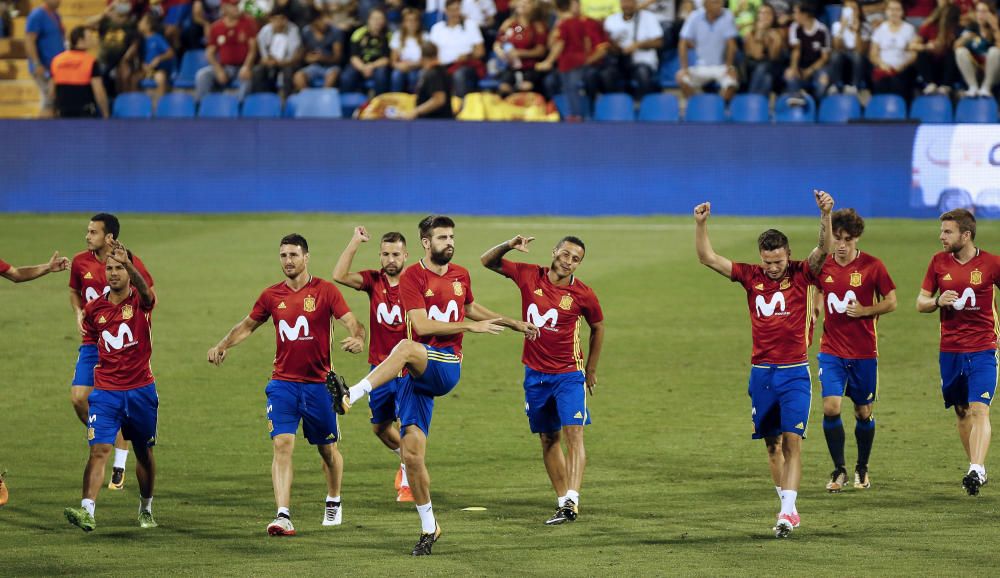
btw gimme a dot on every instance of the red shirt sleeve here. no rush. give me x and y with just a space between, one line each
74 277
338 305
4 266
88 322
368 277
741 273
410 292
468 294
217 30
930 280
883 281
261 311
591 309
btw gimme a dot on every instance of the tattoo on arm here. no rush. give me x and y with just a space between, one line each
818 255
491 259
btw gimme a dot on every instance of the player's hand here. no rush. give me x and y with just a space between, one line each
702 211
947 298
520 243
855 309
361 235
352 345
543 66
118 252
823 200
79 323
491 326
216 355
57 263
530 331
591 381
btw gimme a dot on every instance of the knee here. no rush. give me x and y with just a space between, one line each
774 448
549 440
283 445
963 53
862 412
100 451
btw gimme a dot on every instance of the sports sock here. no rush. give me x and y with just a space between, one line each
573 495
561 501
145 504
979 469
427 523
335 500
284 513
120 457
864 433
88 505
778 489
788 501
833 430
404 481
360 390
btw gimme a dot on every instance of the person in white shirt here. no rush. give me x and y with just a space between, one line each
851 35
711 32
279 43
891 57
635 36
460 49
405 46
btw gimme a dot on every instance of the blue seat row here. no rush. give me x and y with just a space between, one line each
310 103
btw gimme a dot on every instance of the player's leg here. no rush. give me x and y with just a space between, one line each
407 354
107 408
555 463
794 389
78 395
964 428
570 394
382 403
543 419
775 461
145 474
118 468
83 382
863 389
982 385
140 427
416 409
576 461
282 472
93 473
333 472
319 424
833 377
283 422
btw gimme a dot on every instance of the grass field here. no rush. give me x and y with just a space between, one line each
673 486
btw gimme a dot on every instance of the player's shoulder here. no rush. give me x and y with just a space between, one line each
326 285
96 304
80 258
275 289
457 270
582 287
413 271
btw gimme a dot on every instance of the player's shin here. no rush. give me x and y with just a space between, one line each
833 431
864 433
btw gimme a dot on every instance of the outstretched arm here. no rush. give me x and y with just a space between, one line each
342 270
356 342
493 259
236 335
477 312
825 244
120 254
594 354
427 327
703 245
22 274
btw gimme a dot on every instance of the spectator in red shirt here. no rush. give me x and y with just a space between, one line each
933 45
521 43
231 51
577 44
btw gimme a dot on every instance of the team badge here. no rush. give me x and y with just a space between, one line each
539 293
976 278
90 434
785 284
759 286
566 302
102 320
457 288
88 276
127 312
270 426
309 304
855 279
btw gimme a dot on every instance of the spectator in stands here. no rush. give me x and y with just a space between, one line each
433 88
977 51
810 44
343 14
231 51
711 31
157 55
764 48
521 44
635 38
934 46
578 44
176 17
279 44
43 40
77 87
119 45
745 14
783 12
667 15
6 22
323 51
406 52
891 55
203 14
369 56
874 11
849 60
483 14
967 9
460 48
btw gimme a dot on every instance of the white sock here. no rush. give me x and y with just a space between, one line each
979 469
88 505
788 501
778 489
573 495
561 501
120 457
145 504
427 523
358 391
404 481
285 512
334 499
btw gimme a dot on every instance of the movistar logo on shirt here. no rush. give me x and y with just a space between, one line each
122 339
291 332
449 314
968 298
388 316
834 303
90 294
550 318
768 308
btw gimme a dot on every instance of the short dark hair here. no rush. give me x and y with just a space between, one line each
808 8
965 219
432 222
848 221
295 239
772 240
571 239
563 5
394 237
450 2
77 34
428 50
279 10
110 222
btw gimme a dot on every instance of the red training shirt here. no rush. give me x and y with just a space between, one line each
969 325
443 297
124 341
87 278
779 311
386 316
864 280
232 42
580 36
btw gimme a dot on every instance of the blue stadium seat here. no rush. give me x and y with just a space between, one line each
886 107
431 18
175 105
669 66
489 83
560 101
988 203
831 14
749 109
839 108
976 111
787 113
317 103
614 106
132 105
262 105
218 105
191 63
659 107
933 108
350 101
705 107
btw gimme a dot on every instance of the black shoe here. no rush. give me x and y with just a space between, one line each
972 483
338 391
117 479
565 513
423 547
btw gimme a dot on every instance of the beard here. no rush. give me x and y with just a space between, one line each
391 270
442 257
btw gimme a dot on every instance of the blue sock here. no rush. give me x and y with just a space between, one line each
833 430
864 432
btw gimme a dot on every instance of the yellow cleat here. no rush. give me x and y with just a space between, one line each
117 479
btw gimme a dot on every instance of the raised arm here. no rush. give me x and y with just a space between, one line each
477 312
825 244
703 245
22 274
236 335
594 354
342 270
355 343
120 254
493 258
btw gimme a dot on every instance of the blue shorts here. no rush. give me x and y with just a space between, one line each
132 411
780 396
857 378
315 73
968 377
415 396
288 402
553 401
179 15
85 363
383 400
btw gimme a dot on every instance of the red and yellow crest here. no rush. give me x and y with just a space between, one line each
127 312
855 279
309 304
458 289
976 277
566 302
785 284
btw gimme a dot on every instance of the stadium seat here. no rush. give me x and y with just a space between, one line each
669 66
988 203
132 105
831 14
934 108
749 109
317 103
191 63
560 101
262 105
218 105
954 198
175 105
614 106
350 101
659 107
839 109
886 107
976 111
431 18
705 107
787 113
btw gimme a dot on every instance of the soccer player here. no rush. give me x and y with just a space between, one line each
28 273
963 278
86 283
855 290
555 382
779 296
124 399
387 329
439 305
302 308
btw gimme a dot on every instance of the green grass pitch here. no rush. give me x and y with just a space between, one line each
674 485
